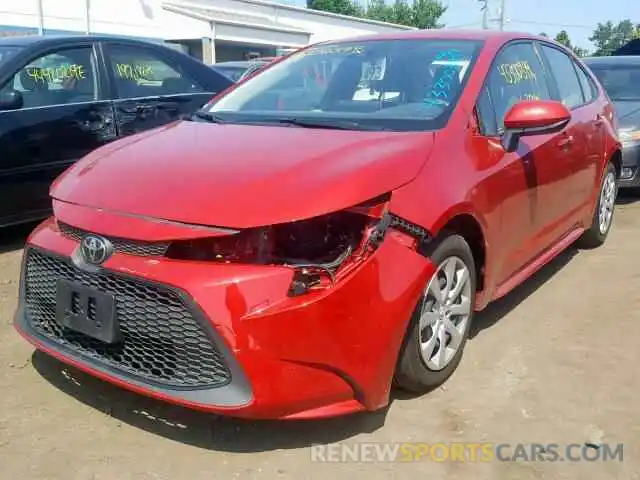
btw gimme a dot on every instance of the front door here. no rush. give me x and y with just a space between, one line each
62 118
527 178
150 89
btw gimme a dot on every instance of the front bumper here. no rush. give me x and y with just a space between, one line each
630 175
321 354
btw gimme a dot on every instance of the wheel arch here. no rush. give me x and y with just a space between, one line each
616 159
470 228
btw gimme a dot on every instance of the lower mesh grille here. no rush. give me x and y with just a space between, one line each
161 341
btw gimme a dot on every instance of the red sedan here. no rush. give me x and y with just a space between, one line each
298 247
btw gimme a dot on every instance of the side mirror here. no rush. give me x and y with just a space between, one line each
533 117
10 100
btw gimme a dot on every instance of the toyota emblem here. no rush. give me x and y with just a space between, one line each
95 250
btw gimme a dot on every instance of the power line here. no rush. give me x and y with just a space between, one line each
485 13
547 24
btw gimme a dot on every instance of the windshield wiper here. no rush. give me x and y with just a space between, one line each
327 124
207 116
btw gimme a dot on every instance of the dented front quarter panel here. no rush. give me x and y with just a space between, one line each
303 353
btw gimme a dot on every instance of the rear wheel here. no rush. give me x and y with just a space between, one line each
439 326
603 215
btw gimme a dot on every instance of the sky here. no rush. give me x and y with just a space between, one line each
577 17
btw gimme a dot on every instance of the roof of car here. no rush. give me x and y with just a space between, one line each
27 40
445 33
239 63
615 59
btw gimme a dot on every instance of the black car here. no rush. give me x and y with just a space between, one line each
61 97
620 77
236 71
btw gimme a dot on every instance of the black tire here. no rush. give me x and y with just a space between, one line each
594 236
412 373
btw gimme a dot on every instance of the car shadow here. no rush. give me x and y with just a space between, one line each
498 309
227 434
626 196
202 430
13 237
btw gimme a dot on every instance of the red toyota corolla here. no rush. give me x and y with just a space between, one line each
308 240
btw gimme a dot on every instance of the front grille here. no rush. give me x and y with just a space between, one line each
161 341
122 245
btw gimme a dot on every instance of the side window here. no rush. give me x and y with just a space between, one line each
516 74
588 88
143 73
564 73
486 113
65 76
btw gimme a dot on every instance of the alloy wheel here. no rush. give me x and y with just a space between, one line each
607 202
445 313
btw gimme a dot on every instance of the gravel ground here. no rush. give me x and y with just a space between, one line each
553 362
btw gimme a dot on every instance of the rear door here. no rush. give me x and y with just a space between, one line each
152 87
64 116
581 142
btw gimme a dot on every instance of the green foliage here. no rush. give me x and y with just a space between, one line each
421 14
342 7
426 13
563 38
608 37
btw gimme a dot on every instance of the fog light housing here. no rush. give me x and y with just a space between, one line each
626 173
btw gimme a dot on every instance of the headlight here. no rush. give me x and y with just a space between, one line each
320 249
629 137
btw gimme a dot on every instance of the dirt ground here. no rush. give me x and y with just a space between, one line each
554 362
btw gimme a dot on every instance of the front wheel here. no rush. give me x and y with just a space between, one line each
603 215
439 326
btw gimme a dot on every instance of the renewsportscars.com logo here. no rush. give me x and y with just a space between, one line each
483 452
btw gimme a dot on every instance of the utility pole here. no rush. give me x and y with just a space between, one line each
87 16
485 13
502 7
40 18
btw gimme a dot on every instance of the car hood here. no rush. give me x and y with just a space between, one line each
242 176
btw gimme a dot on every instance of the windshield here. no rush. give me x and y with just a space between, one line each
232 72
383 84
622 82
6 52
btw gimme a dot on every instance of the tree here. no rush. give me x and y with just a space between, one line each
426 14
419 13
402 13
379 10
563 38
608 37
342 7
543 34
580 52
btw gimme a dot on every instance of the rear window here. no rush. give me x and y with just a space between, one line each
620 81
233 73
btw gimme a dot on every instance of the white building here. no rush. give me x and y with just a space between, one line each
212 30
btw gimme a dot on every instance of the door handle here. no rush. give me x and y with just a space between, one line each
599 120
